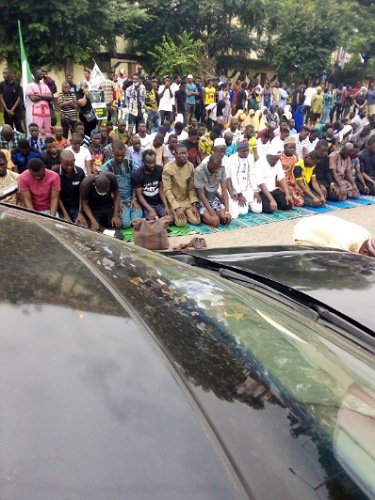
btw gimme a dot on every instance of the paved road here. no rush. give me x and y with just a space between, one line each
277 233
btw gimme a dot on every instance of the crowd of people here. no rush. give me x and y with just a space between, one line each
196 151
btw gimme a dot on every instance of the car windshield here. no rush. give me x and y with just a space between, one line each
239 351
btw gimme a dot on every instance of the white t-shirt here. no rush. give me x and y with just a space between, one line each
262 148
330 232
166 101
81 157
145 141
310 93
300 145
265 174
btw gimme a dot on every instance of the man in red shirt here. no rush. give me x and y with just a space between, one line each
40 188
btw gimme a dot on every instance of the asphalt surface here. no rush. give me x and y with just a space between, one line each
276 233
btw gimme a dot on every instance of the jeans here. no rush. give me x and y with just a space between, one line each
325 115
128 214
153 120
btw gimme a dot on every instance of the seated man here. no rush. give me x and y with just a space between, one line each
22 154
8 182
367 163
100 200
70 179
194 155
208 178
241 182
39 188
123 169
82 156
340 165
323 173
333 232
269 171
51 157
35 141
9 138
305 179
178 184
148 187
288 159
96 150
135 152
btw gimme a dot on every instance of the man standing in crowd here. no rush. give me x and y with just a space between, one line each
191 94
68 109
108 87
40 188
11 99
135 96
40 97
166 101
178 184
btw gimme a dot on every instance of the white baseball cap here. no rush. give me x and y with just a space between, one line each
190 76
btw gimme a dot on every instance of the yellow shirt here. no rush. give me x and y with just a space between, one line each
209 95
206 144
303 173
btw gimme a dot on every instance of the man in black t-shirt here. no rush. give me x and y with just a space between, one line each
100 200
11 99
51 157
70 179
148 186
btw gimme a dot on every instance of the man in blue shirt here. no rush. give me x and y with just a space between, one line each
122 168
191 93
22 154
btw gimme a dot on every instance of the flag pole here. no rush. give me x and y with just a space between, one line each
27 76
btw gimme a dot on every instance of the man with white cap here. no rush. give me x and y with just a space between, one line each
269 175
333 232
191 93
242 183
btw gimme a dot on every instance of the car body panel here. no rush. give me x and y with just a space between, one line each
125 371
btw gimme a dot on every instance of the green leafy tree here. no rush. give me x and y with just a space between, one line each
55 30
362 37
171 58
223 26
304 34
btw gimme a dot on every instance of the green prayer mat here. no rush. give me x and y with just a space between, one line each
251 220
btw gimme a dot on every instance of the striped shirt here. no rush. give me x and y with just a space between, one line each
69 112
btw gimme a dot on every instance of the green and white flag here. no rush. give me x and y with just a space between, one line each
27 77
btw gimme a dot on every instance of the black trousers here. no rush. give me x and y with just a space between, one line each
67 125
279 197
15 121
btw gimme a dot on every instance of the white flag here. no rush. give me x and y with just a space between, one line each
96 78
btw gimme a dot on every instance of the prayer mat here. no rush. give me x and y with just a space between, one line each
235 224
340 204
181 231
321 210
201 229
251 220
363 200
128 234
281 215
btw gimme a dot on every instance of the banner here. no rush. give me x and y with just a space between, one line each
27 77
96 78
